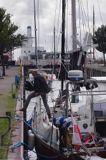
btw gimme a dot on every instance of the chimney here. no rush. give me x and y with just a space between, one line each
29 34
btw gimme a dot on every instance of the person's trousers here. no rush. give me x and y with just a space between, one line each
44 98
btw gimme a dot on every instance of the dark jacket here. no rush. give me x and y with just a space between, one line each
40 84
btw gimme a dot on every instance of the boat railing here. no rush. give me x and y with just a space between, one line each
87 93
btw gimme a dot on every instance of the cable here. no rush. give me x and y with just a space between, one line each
79 21
66 28
58 26
88 15
100 11
83 15
38 22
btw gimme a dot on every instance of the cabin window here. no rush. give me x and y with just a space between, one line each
32 56
75 99
57 56
40 56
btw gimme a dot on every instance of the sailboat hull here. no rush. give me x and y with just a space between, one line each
46 152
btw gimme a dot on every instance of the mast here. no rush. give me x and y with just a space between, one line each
74 30
63 44
35 29
93 30
54 52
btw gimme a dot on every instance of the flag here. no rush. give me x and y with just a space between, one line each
76 138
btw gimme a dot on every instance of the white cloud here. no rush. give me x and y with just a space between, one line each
22 15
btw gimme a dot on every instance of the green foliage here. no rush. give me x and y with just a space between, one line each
3 125
10 107
10 102
100 38
8 39
3 152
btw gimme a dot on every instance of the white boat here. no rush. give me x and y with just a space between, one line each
82 103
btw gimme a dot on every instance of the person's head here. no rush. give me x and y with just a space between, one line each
34 72
45 76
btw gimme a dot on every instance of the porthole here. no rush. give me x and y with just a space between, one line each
85 125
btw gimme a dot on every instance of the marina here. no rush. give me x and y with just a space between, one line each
32 155
54 102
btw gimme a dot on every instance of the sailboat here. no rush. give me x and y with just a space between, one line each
65 136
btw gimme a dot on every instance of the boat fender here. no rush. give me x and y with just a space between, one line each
57 134
31 138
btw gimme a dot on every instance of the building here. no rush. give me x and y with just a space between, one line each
28 56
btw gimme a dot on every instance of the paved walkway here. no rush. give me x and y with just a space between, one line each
5 83
17 130
6 87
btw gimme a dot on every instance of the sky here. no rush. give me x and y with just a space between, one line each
47 11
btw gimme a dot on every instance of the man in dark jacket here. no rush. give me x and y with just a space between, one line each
40 88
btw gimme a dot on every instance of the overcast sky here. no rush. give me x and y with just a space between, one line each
22 15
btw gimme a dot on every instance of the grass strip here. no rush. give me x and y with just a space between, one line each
10 104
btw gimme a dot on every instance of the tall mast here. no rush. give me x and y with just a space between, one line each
35 29
93 29
74 30
63 44
54 52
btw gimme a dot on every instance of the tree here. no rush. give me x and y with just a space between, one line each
8 38
100 39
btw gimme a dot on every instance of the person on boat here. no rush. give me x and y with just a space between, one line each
40 89
65 126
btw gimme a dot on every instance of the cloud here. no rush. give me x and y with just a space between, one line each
22 12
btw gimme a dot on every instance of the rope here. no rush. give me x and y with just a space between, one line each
88 15
83 15
58 27
100 11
